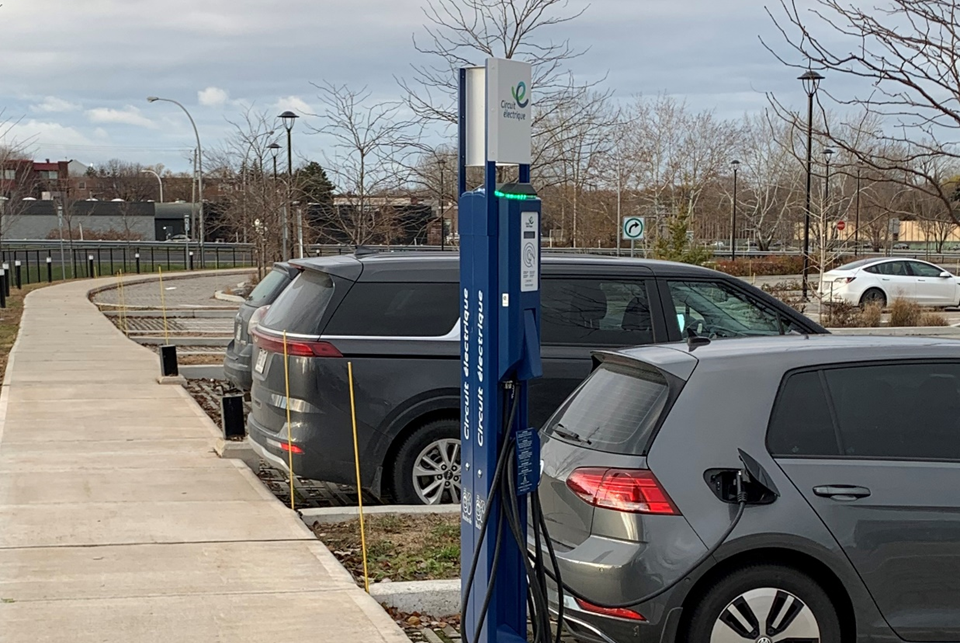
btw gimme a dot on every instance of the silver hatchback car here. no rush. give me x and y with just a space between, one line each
853 533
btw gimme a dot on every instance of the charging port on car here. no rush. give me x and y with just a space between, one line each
723 483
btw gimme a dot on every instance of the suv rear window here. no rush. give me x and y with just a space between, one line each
300 307
396 310
269 287
616 410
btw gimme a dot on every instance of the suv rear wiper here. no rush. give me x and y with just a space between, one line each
569 435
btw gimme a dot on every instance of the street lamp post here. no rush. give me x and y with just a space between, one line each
811 83
443 218
274 151
202 231
159 180
733 216
288 119
827 155
856 228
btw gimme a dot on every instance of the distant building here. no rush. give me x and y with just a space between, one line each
42 180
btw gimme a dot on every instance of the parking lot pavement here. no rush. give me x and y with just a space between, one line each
194 292
117 521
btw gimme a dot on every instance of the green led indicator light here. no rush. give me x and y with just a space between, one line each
518 197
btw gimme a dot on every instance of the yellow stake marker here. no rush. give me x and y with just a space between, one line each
286 379
163 308
356 455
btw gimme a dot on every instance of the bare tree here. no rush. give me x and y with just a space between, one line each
905 54
462 33
371 151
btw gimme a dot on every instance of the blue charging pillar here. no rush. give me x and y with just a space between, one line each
500 349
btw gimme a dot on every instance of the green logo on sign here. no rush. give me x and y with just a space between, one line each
520 95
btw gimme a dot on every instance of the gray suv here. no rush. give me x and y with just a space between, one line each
236 360
396 318
856 538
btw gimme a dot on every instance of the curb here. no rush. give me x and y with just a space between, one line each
222 296
328 515
435 597
946 332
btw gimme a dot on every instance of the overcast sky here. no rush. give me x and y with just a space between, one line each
77 72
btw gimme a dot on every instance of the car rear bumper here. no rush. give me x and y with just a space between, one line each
317 462
236 365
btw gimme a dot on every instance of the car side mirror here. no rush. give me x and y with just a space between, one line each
945 275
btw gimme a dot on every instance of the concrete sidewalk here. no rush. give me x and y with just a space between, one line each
119 523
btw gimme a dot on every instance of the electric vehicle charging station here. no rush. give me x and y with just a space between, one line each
499 229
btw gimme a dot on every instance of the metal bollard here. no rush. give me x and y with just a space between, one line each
6 280
18 274
191 260
3 288
137 257
231 412
168 361
90 272
49 269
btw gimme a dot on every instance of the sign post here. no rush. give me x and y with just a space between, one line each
500 232
632 230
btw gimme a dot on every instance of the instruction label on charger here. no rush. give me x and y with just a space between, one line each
529 252
528 460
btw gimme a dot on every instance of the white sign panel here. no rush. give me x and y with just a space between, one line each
509 111
475 91
530 252
633 228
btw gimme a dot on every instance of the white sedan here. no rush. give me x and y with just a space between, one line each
881 281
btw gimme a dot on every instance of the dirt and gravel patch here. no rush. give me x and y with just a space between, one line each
399 547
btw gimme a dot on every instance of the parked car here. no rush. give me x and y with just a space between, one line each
880 281
236 361
396 318
858 438
901 246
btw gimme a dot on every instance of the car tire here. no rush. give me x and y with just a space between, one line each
427 467
874 296
764 603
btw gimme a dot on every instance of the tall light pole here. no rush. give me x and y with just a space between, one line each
827 155
288 119
443 218
811 83
244 170
733 216
274 151
159 180
202 232
856 228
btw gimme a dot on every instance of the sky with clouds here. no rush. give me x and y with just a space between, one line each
76 73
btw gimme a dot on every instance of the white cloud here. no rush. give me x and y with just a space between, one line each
54 105
295 104
129 115
213 97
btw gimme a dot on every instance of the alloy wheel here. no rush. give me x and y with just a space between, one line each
766 615
436 472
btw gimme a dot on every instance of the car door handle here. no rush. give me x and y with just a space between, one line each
841 491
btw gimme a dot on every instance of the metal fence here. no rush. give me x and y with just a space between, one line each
53 261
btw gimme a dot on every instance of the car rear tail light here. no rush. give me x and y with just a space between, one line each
292 448
256 318
627 490
295 347
845 280
619 612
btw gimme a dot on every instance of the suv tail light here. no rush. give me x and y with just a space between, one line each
627 490
295 347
